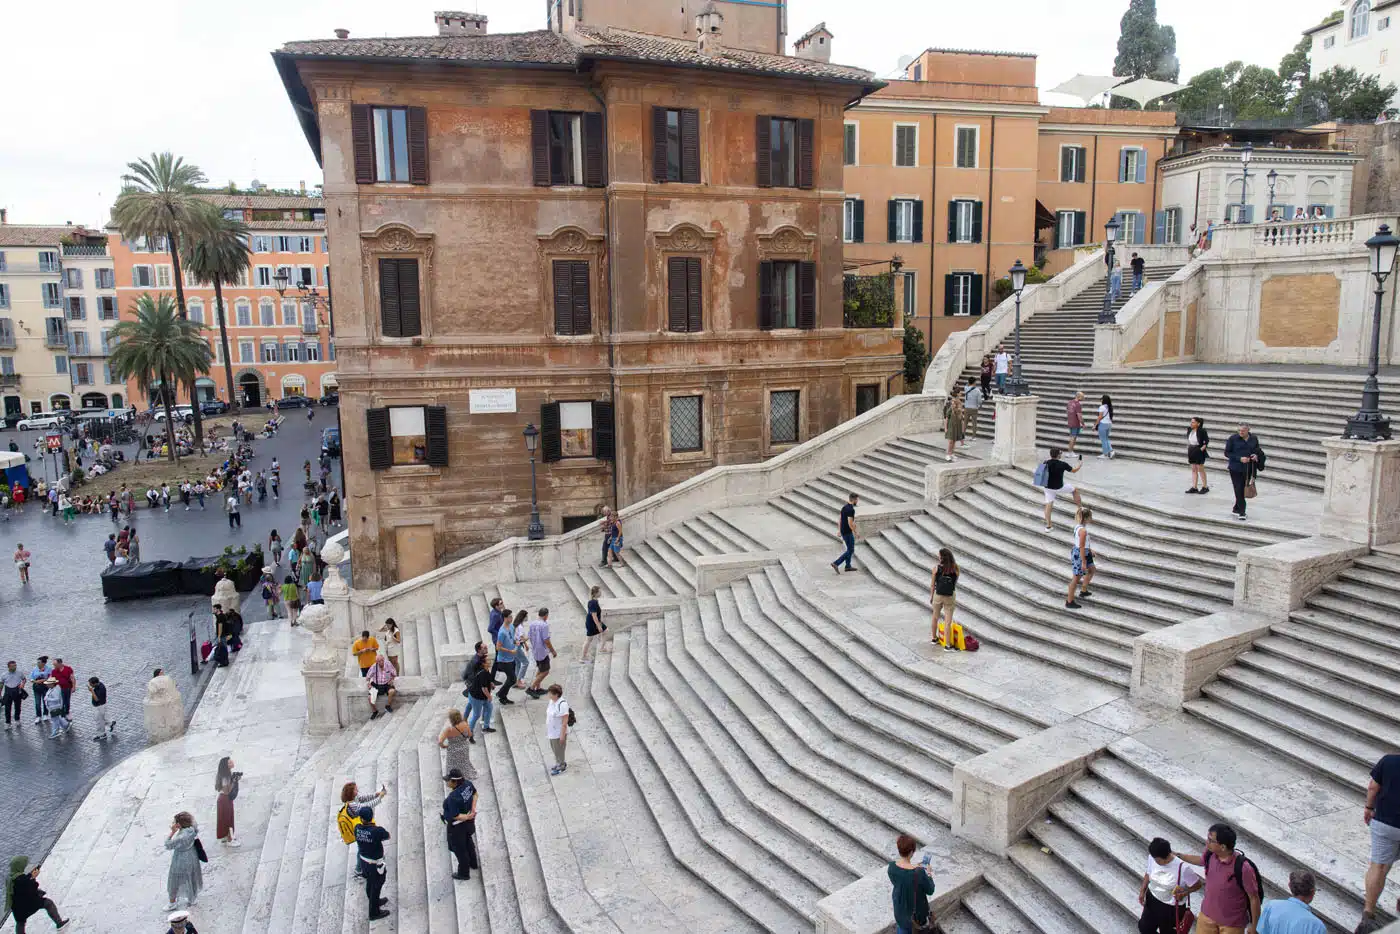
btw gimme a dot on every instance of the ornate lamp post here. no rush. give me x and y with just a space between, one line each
1110 236
1369 424
1017 386
532 441
1246 156
1273 180
280 281
896 264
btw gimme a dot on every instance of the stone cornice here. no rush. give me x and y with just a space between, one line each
1264 159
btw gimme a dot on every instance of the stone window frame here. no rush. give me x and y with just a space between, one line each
406 400
571 242
397 241
769 449
706 454
693 242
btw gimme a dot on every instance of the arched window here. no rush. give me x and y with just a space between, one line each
243 312
195 307
266 313
1360 18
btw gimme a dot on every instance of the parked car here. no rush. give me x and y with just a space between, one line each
214 407
295 402
331 398
41 420
330 442
182 413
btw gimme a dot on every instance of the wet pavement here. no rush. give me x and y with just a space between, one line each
62 613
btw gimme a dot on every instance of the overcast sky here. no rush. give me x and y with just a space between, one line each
91 84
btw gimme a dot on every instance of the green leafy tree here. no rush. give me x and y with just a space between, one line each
160 346
220 256
1249 92
1146 49
1344 94
160 198
915 355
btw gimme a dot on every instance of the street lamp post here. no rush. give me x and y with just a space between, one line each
1017 386
1110 236
896 264
1369 424
532 441
1246 155
1273 180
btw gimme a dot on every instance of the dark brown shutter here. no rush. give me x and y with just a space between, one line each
362 142
892 212
563 297
435 424
693 304
595 155
390 311
604 441
807 295
977 293
539 146
551 445
381 442
859 232
764 146
952 222
918 222
949 294
676 318
418 145
690 146
765 296
977 222
410 307
583 310
658 144
806 147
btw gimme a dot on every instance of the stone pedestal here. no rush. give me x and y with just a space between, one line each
164 709
1361 495
336 595
1170 664
225 596
321 670
1276 579
1013 444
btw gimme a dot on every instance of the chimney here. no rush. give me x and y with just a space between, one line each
709 29
815 44
342 34
303 186
456 23
3 212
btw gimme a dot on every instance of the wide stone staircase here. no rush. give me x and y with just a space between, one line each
890 474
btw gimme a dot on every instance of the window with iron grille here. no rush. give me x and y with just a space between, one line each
782 417
107 307
687 424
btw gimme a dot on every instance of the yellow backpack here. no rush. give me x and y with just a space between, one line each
347 824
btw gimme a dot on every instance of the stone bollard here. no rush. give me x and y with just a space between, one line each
164 708
321 670
1013 441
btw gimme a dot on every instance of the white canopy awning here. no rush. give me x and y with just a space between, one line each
1086 87
1144 91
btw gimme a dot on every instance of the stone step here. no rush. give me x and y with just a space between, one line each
1347 661
1059 876
1275 709
741 540
962 921
1353 620
986 909
1280 741
764 890
1286 477
1040 909
1354 586
447 899
1319 708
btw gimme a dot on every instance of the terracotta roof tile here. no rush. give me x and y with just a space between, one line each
34 235
264 202
540 47
608 42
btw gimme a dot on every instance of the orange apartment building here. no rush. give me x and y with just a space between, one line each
279 344
959 171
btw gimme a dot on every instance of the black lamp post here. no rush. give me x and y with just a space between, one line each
896 264
532 441
1110 236
1273 180
1017 386
1369 424
1246 155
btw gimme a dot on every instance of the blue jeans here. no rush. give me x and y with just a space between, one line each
1104 429
1137 280
478 710
850 551
1001 382
522 665
901 929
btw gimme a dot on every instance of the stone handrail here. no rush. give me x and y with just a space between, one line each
517 559
1113 342
1312 236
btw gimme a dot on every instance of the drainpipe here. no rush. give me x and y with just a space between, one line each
987 227
932 230
612 303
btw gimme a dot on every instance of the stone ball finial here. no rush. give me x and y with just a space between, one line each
332 553
315 619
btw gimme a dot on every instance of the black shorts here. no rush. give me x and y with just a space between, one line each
542 665
364 670
1195 455
381 689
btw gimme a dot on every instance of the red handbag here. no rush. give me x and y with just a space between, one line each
1185 917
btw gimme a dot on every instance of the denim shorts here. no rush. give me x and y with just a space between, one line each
1074 432
1077 563
1385 843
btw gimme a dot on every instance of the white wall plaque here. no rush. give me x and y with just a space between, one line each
491 401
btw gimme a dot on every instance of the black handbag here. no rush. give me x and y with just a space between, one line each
199 851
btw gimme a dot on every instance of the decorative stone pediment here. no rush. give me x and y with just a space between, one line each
685 238
787 242
396 238
571 240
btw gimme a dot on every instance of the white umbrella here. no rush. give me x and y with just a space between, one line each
1145 90
1086 87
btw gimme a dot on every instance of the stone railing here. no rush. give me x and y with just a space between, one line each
1310 237
517 559
1157 324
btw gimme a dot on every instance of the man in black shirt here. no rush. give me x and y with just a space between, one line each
848 534
1382 816
1055 470
105 724
369 838
1139 265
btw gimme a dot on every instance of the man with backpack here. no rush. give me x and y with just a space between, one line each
1233 889
1050 476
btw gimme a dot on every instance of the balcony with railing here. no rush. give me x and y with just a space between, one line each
9 379
55 333
84 249
1315 236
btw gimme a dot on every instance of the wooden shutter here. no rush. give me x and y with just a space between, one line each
1079 164
563 297
604 440
1081 222
1159 227
806 151
658 144
418 145
952 222
1066 164
976 293
950 285
1123 165
918 222
977 222
693 297
807 295
362 142
381 443
539 146
390 311
676 316
583 311
893 209
410 307
858 234
595 154
763 143
1142 166
551 445
765 296
690 147
435 424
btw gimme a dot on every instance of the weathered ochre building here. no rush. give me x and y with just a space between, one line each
631 241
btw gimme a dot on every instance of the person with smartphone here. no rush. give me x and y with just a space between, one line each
912 885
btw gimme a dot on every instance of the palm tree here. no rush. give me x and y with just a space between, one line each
160 346
220 256
160 198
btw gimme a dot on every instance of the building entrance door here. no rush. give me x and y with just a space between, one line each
252 393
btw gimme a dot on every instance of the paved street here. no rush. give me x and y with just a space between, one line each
62 613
